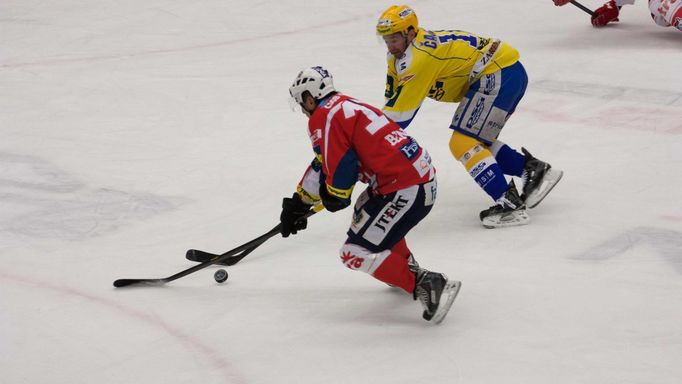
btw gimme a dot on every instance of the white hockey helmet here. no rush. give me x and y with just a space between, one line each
316 80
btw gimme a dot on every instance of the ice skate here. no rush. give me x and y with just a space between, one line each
508 211
412 263
436 294
539 179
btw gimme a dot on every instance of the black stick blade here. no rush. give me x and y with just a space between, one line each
199 256
127 282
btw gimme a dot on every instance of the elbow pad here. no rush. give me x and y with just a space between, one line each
332 203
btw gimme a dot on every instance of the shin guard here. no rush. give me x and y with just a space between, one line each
389 266
480 163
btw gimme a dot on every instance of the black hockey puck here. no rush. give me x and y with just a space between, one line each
220 275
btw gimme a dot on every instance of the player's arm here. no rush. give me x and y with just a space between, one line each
340 170
309 186
337 187
404 95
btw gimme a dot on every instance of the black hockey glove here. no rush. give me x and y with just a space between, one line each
292 220
330 202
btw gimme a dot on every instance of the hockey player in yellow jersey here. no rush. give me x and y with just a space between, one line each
485 77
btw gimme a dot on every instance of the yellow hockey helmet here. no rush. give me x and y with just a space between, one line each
397 18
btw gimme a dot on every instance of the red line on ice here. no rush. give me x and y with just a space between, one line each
193 343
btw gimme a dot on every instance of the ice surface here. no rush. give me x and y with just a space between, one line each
132 131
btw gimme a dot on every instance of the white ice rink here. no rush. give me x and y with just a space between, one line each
131 131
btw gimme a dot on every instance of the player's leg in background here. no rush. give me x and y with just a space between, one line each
538 177
480 163
476 125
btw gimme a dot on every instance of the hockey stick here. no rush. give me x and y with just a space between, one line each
199 256
582 7
245 248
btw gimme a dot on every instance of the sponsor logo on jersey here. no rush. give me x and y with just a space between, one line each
476 113
430 190
396 136
307 196
316 135
390 212
352 261
423 164
437 92
485 178
406 78
490 53
342 193
410 149
493 125
478 168
359 219
490 84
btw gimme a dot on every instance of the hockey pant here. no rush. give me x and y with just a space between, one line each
477 123
376 238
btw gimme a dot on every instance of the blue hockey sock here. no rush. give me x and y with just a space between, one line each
491 178
511 162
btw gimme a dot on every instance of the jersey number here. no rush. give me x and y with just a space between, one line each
437 92
472 40
377 121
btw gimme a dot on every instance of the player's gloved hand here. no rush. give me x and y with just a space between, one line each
292 217
605 14
559 3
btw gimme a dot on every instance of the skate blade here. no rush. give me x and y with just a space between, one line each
512 219
551 179
451 290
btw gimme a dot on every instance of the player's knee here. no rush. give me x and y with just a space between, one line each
467 149
360 258
460 144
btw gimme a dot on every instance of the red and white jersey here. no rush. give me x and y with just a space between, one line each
667 12
664 12
354 142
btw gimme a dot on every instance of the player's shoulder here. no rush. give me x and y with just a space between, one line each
449 35
333 100
425 40
445 43
327 106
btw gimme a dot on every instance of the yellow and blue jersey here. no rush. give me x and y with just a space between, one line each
440 65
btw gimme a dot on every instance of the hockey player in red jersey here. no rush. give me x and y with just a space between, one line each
354 141
665 13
